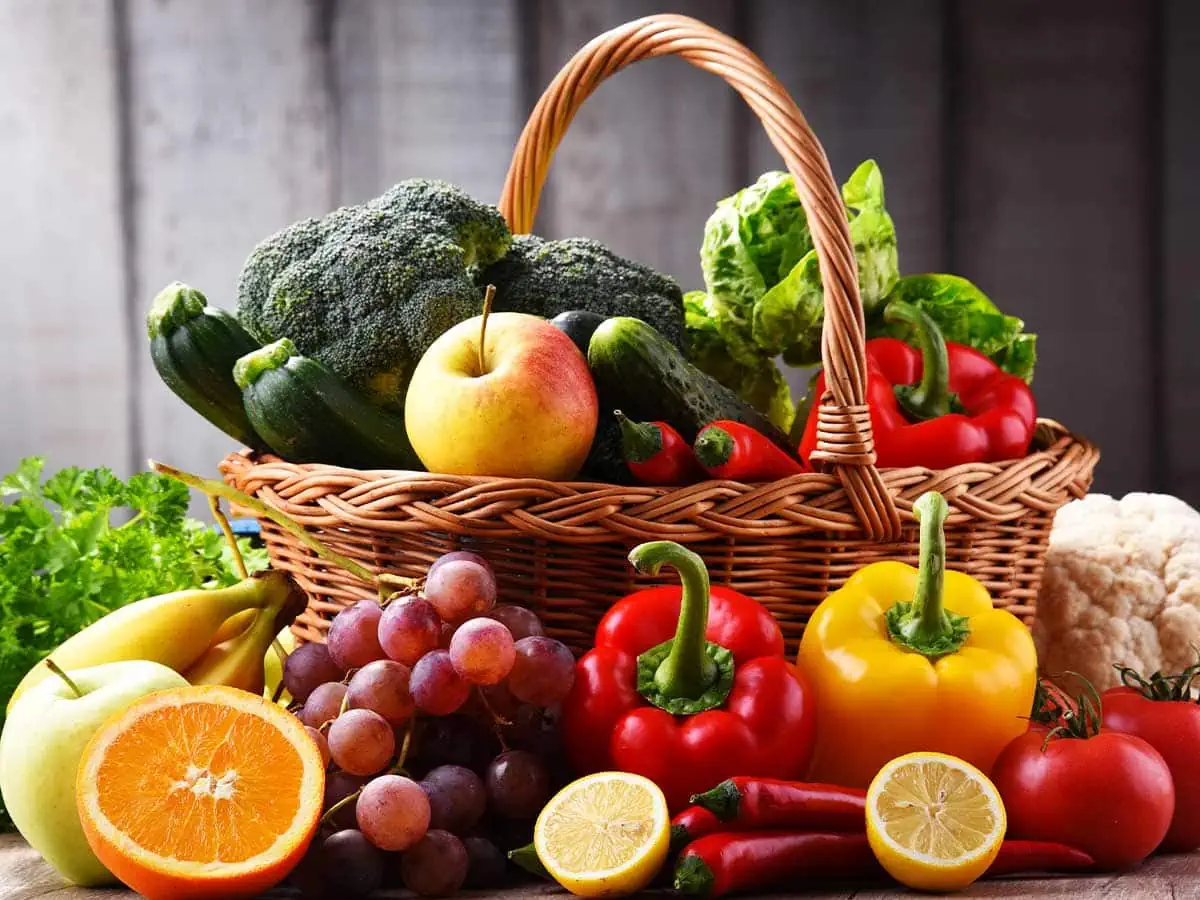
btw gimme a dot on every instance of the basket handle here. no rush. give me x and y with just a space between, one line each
844 437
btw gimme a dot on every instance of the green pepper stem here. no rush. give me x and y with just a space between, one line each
924 625
687 671
931 397
640 440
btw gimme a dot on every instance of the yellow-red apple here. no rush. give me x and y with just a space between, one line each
525 407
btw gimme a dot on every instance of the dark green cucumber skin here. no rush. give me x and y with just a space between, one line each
579 325
308 414
641 373
606 460
195 360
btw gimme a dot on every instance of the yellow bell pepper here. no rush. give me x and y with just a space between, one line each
905 659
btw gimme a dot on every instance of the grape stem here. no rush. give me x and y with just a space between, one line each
497 719
340 805
397 769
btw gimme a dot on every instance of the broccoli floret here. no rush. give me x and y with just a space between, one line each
546 278
366 289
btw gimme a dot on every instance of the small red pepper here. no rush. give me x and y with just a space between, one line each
716 700
694 822
940 406
736 452
744 803
724 863
1027 857
656 453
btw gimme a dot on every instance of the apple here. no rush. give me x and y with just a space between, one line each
525 407
40 748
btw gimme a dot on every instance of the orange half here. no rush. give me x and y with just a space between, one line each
203 791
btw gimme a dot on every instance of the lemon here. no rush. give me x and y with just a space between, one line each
934 821
604 835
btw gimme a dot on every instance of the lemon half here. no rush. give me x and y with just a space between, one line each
604 835
934 821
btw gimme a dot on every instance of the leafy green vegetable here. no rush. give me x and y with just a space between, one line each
760 383
966 316
763 292
65 562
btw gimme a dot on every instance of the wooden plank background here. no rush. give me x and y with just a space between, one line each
1045 150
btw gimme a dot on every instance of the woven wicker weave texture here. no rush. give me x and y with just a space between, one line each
560 548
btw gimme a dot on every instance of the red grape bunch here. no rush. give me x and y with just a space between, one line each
436 715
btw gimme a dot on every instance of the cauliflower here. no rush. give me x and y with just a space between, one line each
1121 585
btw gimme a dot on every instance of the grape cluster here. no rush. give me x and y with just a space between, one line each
436 714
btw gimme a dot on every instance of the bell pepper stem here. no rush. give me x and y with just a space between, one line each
688 671
924 625
931 397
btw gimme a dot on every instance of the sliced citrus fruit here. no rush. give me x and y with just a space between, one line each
604 835
200 792
934 821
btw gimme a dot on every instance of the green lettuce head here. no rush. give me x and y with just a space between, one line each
763 294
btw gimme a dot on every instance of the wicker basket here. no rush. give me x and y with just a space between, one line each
560 548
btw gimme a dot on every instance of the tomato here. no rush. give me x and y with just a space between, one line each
1172 727
1109 795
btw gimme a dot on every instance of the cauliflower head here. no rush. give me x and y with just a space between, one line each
1121 585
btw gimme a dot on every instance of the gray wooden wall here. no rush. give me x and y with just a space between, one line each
1046 150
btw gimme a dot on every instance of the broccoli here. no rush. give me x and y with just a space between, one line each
546 278
366 289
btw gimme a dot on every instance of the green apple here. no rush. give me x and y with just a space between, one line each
40 748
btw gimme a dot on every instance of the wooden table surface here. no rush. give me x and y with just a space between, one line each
24 876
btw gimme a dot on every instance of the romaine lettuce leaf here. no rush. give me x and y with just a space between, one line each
764 295
757 380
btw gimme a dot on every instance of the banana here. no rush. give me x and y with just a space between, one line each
234 625
240 661
172 629
273 666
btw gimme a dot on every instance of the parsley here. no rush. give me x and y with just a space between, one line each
82 543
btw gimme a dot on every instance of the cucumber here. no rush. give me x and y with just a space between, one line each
308 414
193 347
639 371
606 460
579 325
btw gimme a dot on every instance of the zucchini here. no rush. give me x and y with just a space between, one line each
193 347
306 413
639 371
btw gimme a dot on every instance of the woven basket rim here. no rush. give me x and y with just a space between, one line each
320 495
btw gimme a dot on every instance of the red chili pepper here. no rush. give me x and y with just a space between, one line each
1027 857
724 863
744 803
694 822
940 406
656 453
733 451
717 700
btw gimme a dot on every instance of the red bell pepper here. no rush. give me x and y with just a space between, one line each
938 406
656 453
717 700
